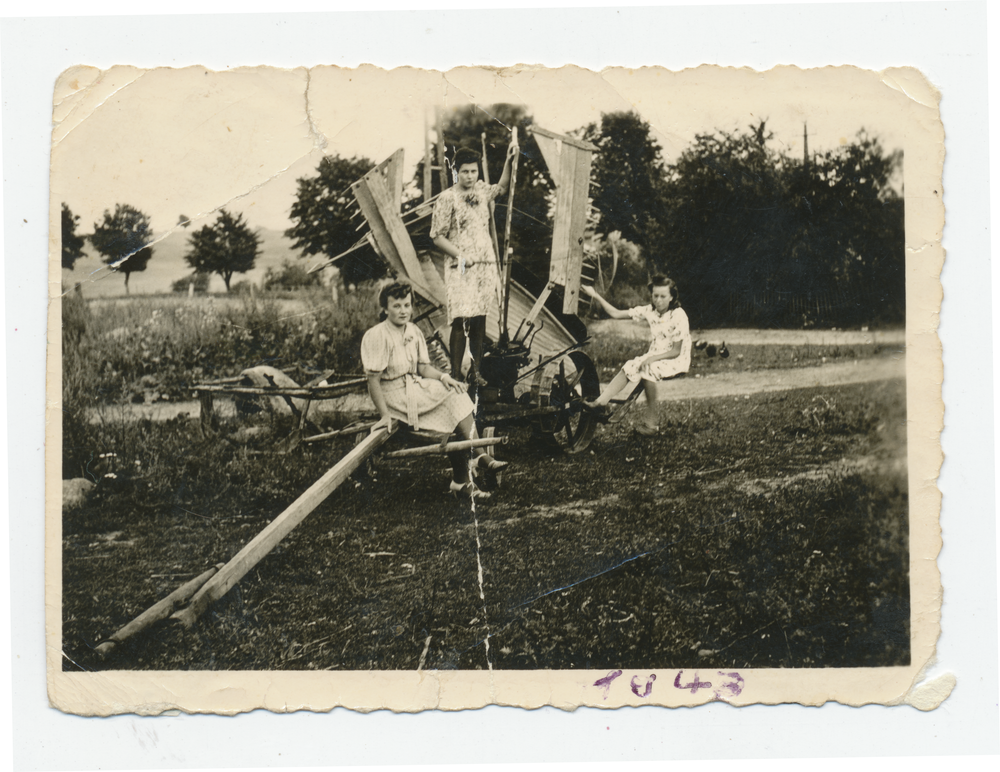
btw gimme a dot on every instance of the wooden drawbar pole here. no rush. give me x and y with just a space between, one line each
279 528
158 611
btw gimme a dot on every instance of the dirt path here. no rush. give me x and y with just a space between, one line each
629 329
739 384
697 387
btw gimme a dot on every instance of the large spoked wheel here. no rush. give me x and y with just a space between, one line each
572 428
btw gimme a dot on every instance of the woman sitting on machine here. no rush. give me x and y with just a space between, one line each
669 353
404 386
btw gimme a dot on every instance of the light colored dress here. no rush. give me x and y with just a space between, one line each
422 403
666 330
463 217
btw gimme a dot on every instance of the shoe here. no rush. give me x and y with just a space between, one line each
475 379
601 411
646 430
486 461
467 490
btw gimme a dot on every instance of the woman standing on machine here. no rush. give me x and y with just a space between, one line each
460 229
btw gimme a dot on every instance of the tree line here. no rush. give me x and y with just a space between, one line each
124 240
752 235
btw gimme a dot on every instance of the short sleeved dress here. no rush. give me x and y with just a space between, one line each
666 330
422 403
463 217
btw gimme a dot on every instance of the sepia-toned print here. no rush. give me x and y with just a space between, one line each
531 387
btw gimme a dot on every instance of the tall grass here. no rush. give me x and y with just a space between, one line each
156 349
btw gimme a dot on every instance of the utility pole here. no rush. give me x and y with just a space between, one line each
805 147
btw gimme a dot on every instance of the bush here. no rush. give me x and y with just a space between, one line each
244 287
290 277
620 272
200 281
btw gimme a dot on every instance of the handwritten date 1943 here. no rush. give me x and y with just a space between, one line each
727 686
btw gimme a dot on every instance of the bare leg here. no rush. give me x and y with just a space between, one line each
617 384
467 428
650 415
457 347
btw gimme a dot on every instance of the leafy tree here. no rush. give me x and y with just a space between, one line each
322 217
854 214
755 237
123 240
72 245
626 172
226 247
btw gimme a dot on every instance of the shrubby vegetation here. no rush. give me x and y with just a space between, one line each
156 349
198 279
290 277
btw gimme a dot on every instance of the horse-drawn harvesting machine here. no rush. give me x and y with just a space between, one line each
535 370
534 365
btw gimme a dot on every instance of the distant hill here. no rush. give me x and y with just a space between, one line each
167 266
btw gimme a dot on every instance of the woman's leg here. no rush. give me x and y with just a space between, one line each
617 384
459 467
650 414
467 428
460 458
477 339
457 347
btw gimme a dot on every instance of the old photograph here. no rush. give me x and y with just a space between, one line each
413 389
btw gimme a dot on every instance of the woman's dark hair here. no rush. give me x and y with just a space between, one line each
664 281
466 155
397 290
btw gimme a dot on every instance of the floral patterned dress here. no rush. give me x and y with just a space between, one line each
463 217
666 330
422 403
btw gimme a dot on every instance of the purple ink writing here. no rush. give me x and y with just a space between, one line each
605 683
694 686
734 687
649 686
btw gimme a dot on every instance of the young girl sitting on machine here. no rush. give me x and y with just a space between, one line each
669 353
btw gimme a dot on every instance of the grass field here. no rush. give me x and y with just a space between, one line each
766 531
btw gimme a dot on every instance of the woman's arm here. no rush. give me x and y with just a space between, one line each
609 309
445 245
429 371
504 182
672 353
375 392
451 251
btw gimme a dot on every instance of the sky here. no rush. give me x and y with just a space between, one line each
176 142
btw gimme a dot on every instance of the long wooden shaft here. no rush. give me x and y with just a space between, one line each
529 321
340 432
451 447
493 222
279 528
427 160
508 250
332 391
443 168
158 611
